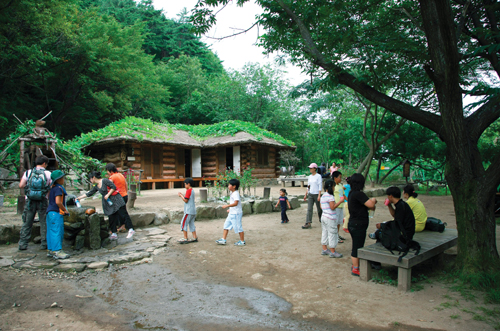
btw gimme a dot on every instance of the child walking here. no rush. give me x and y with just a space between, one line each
329 229
283 201
233 220
55 213
189 212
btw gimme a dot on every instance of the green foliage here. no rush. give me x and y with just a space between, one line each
204 131
219 188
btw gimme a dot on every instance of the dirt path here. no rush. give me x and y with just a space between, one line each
279 280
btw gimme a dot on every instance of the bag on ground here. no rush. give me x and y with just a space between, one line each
434 224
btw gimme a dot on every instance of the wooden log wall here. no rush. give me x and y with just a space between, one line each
169 162
263 171
245 155
136 165
208 162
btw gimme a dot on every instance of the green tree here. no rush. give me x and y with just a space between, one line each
435 50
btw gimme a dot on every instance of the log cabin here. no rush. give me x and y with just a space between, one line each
165 160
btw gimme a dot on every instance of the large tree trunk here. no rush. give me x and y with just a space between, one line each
473 193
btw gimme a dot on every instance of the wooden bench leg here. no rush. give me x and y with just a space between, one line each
404 279
200 184
154 186
283 184
365 270
302 184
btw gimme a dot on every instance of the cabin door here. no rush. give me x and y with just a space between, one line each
180 163
221 159
196 162
146 161
236 159
157 162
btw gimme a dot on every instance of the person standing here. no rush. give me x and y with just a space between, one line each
347 190
283 201
55 216
329 230
358 205
313 194
339 198
235 214
121 187
189 212
37 183
111 203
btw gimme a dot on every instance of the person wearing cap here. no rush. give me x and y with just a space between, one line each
313 194
55 216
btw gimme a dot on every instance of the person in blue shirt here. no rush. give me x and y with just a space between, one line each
55 216
347 189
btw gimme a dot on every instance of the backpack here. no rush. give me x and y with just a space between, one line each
37 186
435 224
390 237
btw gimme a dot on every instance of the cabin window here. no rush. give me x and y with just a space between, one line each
262 157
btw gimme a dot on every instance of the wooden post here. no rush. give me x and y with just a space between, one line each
404 279
203 195
365 270
267 192
132 196
21 200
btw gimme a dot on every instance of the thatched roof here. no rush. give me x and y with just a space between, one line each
182 138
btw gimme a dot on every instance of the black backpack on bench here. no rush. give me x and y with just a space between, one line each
390 237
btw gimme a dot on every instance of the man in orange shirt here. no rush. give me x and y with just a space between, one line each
121 186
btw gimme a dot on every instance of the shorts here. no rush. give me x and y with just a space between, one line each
340 216
188 220
233 221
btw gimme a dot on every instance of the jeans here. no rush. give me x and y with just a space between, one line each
311 200
30 210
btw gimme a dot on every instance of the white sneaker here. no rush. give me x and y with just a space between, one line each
130 234
60 255
113 236
221 241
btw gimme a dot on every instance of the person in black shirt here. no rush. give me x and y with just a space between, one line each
402 213
358 204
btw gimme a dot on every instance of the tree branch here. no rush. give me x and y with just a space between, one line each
234 34
482 118
429 120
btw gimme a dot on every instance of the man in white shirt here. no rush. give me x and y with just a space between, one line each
313 194
33 206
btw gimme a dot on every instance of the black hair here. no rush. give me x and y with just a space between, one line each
189 181
41 160
329 185
111 167
235 182
323 164
283 190
96 174
348 180
335 174
394 191
410 190
357 182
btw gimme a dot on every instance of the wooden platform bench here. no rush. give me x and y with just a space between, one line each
302 180
171 181
431 243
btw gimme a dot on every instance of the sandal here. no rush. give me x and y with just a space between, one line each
195 240
340 241
183 241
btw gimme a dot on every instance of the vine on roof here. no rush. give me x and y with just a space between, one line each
204 131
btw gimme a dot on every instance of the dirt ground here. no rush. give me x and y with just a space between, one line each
278 280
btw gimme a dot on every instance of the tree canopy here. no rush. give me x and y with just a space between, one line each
417 60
